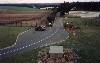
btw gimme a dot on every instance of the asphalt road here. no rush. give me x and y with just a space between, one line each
32 39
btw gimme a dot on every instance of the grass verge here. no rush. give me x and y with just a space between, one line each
8 35
86 41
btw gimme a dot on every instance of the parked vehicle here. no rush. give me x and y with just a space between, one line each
40 28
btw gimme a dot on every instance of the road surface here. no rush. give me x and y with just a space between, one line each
32 39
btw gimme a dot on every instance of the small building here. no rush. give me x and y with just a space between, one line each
56 51
47 8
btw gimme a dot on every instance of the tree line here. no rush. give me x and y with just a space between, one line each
79 6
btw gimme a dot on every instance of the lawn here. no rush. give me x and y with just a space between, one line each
8 35
19 8
86 42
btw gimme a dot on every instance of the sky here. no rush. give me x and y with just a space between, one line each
42 1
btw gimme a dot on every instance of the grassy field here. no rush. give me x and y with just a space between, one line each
8 35
19 8
86 42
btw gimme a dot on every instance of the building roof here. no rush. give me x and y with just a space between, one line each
56 49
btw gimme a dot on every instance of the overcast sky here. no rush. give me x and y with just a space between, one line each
42 1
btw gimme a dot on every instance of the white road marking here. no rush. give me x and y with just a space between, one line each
4 53
34 48
10 51
34 43
29 45
60 41
40 46
26 46
20 48
63 40
17 49
9 46
7 52
23 47
41 40
14 50
0 54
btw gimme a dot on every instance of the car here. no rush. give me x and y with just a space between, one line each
40 28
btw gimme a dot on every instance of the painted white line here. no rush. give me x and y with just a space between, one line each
0 54
23 47
34 48
10 51
20 48
7 52
34 43
41 40
47 37
4 53
29 45
17 49
8 47
63 40
40 46
26 46
14 50
60 41
52 34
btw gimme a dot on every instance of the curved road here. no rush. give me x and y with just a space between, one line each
32 39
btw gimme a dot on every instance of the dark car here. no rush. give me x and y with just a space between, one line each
40 28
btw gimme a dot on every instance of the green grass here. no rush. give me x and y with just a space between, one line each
8 35
27 57
87 40
19 8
